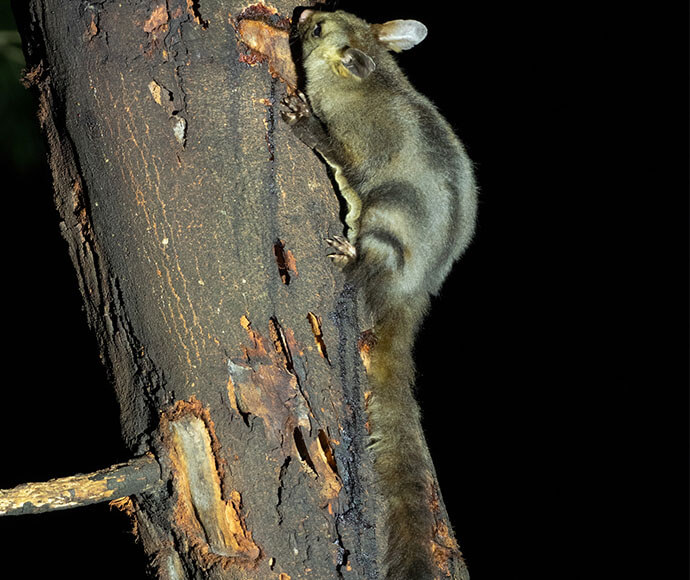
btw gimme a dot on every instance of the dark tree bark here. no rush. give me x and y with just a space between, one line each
195 222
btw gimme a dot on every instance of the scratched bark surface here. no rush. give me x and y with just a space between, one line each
195 221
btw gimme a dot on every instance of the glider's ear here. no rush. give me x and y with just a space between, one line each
399 35
358 63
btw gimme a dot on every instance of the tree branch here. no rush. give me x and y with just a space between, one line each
114 482
195 221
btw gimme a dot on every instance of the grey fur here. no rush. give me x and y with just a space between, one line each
417 209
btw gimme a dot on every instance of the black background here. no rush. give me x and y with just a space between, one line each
553 367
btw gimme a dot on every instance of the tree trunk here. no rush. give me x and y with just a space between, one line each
195 222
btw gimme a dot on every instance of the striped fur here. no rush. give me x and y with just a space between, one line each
417 207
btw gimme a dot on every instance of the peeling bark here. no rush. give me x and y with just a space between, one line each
195 222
